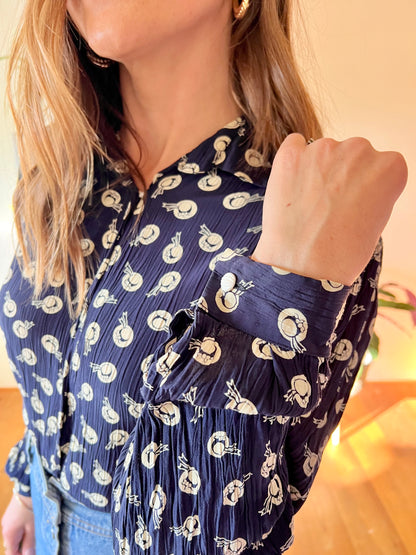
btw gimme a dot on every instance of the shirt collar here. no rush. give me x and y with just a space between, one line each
227 150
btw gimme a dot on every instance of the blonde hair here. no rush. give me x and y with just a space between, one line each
66 109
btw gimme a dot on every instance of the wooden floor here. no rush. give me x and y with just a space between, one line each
364 499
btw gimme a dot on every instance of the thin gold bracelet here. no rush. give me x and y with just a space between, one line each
17 496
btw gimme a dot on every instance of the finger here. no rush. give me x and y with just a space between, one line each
28 551
11 546
11 551
28 543
12 539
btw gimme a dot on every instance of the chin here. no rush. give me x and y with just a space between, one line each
102 45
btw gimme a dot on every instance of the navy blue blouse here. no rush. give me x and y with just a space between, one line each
195 393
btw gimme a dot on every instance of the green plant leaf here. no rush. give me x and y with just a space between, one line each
396 305
374 345
386 293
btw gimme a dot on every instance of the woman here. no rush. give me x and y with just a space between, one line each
146 134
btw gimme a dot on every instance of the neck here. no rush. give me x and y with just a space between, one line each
176 97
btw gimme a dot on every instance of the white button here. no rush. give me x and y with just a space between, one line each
228 282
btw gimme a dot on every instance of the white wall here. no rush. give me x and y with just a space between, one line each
8 159
365 67
9 11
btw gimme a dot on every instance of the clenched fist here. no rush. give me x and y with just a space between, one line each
326 205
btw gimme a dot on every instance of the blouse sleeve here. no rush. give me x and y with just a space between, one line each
18 467
236 402
256 344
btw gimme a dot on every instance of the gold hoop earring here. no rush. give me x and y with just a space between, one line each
103 63
240 8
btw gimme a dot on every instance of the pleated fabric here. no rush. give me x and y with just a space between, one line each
195 393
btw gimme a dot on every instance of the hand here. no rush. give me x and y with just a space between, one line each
19 527
326 205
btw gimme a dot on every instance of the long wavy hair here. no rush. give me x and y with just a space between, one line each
66 109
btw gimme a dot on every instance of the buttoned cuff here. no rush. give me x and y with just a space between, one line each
257 336
295 312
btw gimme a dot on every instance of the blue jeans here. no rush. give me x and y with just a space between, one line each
62 525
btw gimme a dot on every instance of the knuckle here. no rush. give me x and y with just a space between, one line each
288 156
326 145
397 165
291 141
295 136
359 141
359 145
396 159
327 141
